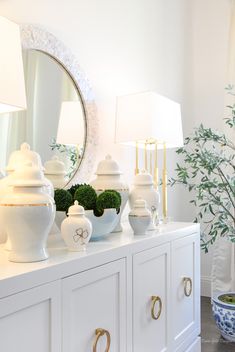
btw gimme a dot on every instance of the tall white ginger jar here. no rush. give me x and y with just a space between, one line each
144 188
109 177
28 213
25 155
17 159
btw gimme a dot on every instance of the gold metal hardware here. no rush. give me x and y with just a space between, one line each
188 286
101 332
156 299
155 170
164 184
136 158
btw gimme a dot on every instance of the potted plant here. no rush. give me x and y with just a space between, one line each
63 200
208 172
101 210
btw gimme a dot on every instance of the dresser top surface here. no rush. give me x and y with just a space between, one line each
62 263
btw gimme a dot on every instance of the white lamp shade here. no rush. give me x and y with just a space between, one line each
12 85
148 116
71 124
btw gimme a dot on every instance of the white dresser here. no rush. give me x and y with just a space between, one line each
135 293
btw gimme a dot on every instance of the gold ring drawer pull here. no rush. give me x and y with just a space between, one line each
188 286
101 332
156 299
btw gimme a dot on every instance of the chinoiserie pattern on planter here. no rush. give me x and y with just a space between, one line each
225 319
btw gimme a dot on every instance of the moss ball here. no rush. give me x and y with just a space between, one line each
108 199
98 212
73 189
63 200
86 196
117 193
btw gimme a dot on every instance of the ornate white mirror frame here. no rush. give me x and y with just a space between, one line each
37 38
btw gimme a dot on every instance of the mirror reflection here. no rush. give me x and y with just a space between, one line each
54 122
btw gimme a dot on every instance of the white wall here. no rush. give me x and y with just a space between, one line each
209 59
124 46
177 48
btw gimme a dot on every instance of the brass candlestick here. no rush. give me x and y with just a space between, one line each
136 158
155 176
164 184
145 157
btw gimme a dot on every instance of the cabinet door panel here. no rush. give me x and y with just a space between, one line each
31 320
185 289
151 278
95 299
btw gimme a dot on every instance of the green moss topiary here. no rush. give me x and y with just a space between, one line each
63 200
86 196
98 212
117 193
72 189
108 199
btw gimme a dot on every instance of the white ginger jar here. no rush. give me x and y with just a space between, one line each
76 229
140 217
144 189
28 213
55 172
25 155
109 177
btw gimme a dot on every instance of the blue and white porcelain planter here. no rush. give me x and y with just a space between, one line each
224 315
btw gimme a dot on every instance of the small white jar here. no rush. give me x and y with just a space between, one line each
27 213
76 229
144 189
109 177
140 217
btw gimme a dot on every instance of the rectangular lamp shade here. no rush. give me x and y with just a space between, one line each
71 124
148 117
12 85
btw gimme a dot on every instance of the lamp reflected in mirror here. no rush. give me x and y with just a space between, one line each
48 85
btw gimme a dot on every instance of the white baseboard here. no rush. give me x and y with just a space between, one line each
206 286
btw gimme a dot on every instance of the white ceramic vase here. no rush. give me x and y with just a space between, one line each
55 172
17 159
109 177
25 155
140 217
76 229
144 189
28 213
102 225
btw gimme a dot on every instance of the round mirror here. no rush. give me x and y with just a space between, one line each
60 111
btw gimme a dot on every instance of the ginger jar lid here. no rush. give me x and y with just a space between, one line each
28 175
143 179
54 166
140 208
19 157
108 166
76 209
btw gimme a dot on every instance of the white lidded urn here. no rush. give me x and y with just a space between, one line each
55 172
144 188
140 217
24 155
28 213
76 229
109 177
16 160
